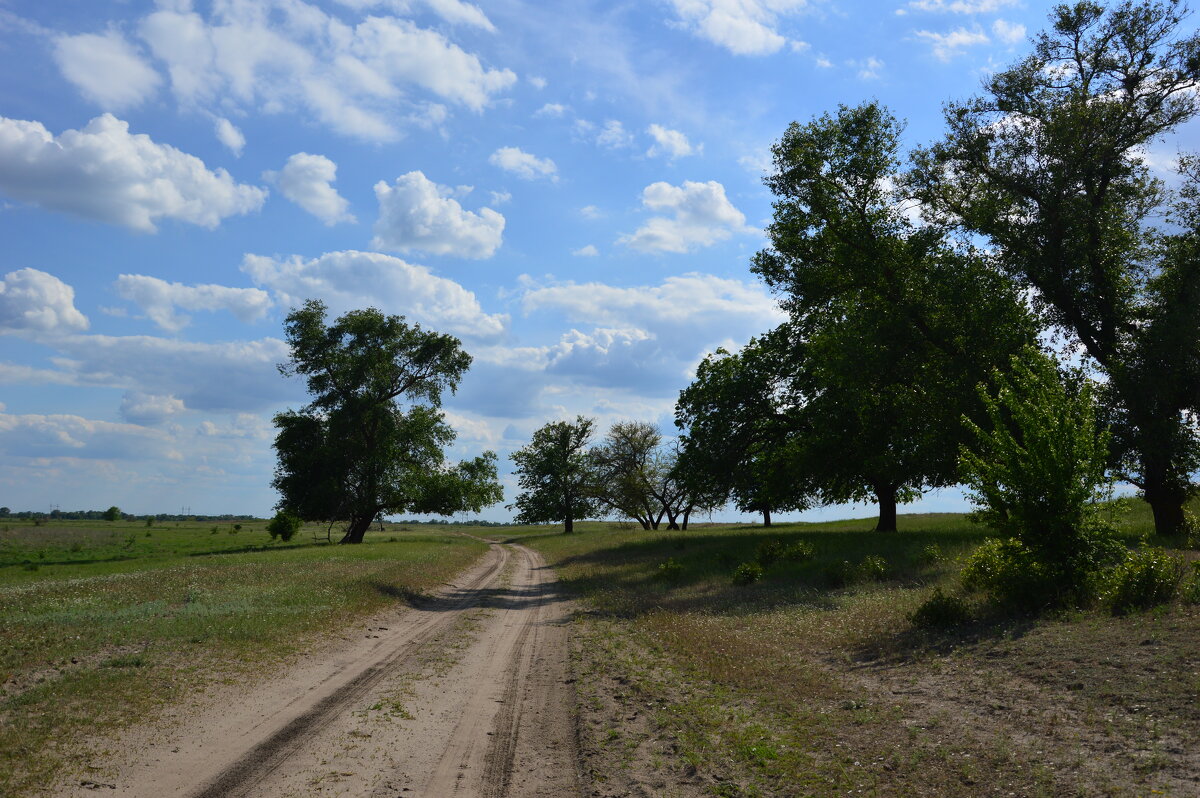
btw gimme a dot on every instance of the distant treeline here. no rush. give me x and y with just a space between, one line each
444 522
101 515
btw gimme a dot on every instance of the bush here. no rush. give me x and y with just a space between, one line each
747 573
284 526
800 551
931 554
873 568
669 571
1148 577
940 610
839 574
768 552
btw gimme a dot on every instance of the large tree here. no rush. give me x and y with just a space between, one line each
1049 164
626 472
354 453
554 474
891 324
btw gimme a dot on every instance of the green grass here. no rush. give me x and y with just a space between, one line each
796 684
99 626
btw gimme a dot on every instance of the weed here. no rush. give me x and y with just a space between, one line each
747 573
669 571
800 551
931 554
1148 577
839 574
873 568
940 610
126 661
768 552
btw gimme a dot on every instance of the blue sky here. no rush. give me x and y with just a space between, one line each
572 188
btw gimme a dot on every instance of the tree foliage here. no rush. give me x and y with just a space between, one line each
553 471
353 453
1049 165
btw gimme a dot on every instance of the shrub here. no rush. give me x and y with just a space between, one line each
768 552
940 610
284 526
1148 577
931 554
800 551
1036 475
839 574
669 571
873 568
1191 590
747 573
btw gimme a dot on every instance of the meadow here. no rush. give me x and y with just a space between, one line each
814 680
103 624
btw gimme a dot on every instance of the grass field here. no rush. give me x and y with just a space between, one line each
813 681
102 624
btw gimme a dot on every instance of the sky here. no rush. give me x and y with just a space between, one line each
574 189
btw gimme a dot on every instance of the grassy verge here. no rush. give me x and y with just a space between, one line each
813 680
101 625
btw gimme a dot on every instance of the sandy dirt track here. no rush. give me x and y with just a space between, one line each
467 694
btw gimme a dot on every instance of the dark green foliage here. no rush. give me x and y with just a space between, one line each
283 526
1050 166
747 573
873 568
839 573
800 551
768 552
1148 577
941 610
353 453
112 514
554 475
669 571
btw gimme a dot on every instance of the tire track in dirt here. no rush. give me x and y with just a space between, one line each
487 707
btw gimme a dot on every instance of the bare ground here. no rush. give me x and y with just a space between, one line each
465 694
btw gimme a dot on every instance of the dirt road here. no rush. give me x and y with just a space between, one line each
466 694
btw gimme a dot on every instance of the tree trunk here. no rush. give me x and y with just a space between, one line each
357 529
766 516
686 513
886 496
569 525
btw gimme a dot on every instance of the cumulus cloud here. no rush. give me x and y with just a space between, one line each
671 143
36 435
455 12
348 280
960 6
743 27
416 214
869 69
306 180
104 172
230 136
34 302
159 299
946 46
368 80
588 251
701 215
106 69
149 409
1008 32
551 110
613 135
522 164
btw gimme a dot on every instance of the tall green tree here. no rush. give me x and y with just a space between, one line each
354 453
1049 165
554 474
891 325
626 471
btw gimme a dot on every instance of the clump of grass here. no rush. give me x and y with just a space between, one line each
940 610
747 573
126 661
669 571
769 551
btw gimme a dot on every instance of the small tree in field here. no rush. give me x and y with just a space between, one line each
283 526
112 513
553 472
1036 475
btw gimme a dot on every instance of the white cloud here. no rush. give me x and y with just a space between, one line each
961 6
500 197
522 164
869 69
743 27
1008 32
455 12
823 62
417 214
538 82
349 280
701 216
613 135
551 110
33 301
36 435
366 80
591 212
588 251
159 299
230 136
671 143
103 172
946 46
106 69
305 180
149 409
